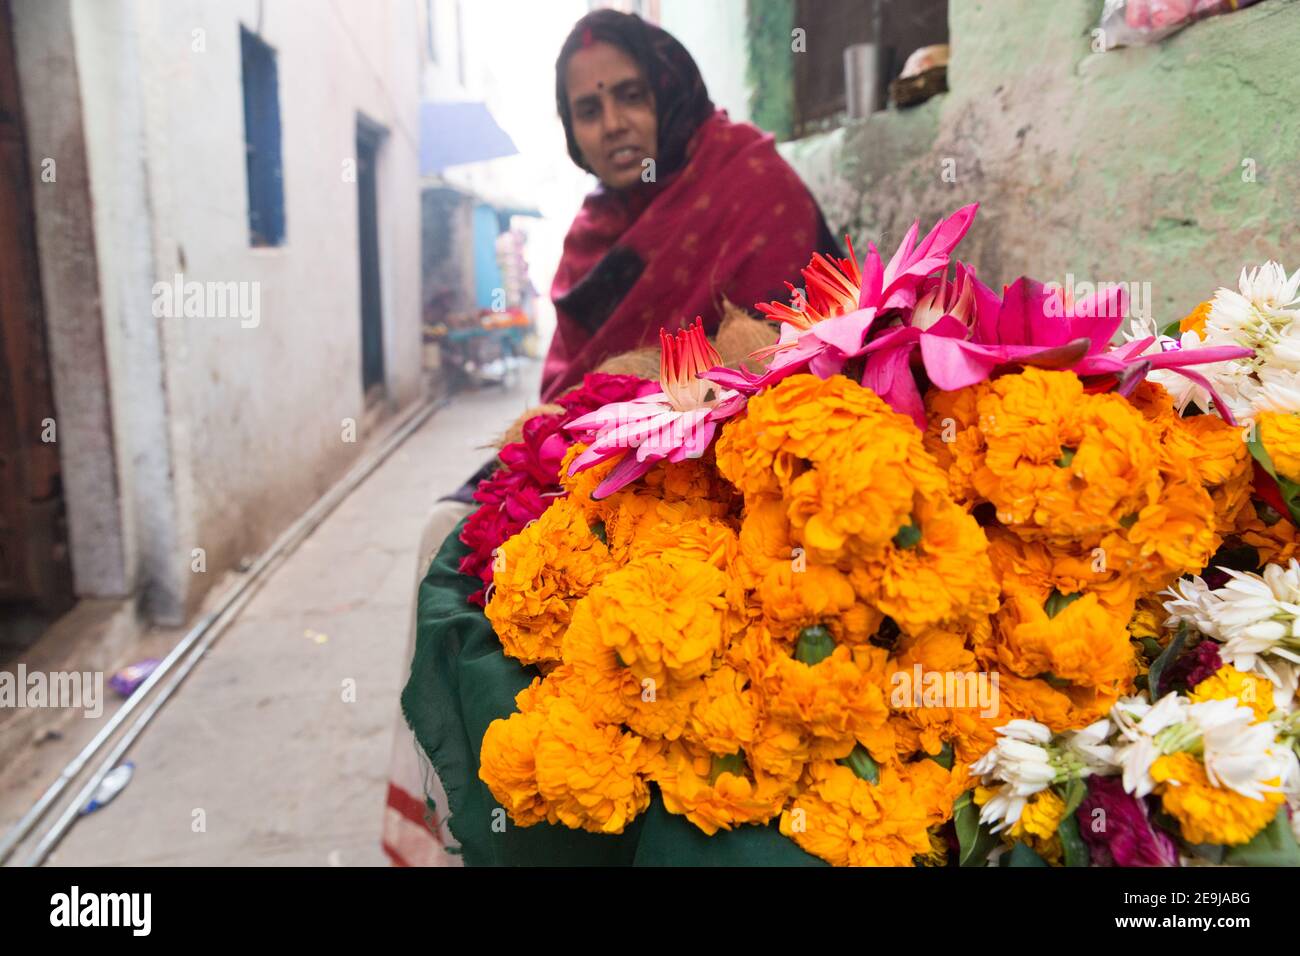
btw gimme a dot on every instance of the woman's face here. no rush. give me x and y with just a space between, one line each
613 114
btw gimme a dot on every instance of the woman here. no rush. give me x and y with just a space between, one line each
692 209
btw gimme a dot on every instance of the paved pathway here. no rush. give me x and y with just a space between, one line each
259 745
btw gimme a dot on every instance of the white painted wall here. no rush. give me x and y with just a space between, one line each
714 33
225 434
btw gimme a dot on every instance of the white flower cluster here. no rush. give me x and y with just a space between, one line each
1026 759
1264 315
1255 617
1240 752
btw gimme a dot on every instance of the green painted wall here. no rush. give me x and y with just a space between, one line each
770 72
1122 166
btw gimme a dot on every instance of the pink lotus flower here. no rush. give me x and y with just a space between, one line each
828 326
964 333
1035 325
673 424
945 311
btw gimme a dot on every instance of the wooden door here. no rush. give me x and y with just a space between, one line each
33 551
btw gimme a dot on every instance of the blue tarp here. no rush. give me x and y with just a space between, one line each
454 133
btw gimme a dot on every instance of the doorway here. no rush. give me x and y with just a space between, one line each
35 572
369 138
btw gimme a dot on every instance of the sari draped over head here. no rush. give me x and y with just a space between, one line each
734 223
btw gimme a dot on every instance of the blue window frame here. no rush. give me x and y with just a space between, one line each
262 141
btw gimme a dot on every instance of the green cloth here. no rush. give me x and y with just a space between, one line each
460 682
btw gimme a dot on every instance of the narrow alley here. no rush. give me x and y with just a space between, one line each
275 750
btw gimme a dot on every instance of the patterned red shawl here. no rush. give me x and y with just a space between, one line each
734 223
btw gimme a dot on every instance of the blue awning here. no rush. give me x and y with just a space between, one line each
455 133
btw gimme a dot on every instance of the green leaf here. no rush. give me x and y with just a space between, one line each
598 529
1075 850
732 763
1151 647
1075 791
1050 678
1290 490
1206 851
974 840
944 757
1067 457
1057 602
909 535
815 644
1021 855
860 762
1167 657
1173 330
1275 845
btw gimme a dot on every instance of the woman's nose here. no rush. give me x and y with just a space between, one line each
612 119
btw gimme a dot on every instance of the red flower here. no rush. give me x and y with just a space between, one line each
528 480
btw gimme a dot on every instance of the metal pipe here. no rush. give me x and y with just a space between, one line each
304 525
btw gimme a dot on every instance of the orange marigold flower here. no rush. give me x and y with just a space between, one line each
507 766
1194 321
848 821
792 599
709 540
1061 464
555 764
780 748
726 715
1280 433
540 574
607 690
1084 642
666 618
1273 536
1205 813
765 536
1202 449
835 700
969 728
1177 531
1035 699
842 460
953 437
718 791
936 571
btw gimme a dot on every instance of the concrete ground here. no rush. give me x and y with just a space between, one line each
261 758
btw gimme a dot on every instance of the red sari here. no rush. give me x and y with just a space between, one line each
734 223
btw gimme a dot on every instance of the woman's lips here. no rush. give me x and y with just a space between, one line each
625 157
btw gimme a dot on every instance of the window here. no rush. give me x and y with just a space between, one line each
262 142
831 26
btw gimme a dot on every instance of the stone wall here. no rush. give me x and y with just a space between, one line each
1173 165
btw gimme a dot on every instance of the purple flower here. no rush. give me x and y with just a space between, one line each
1118 829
